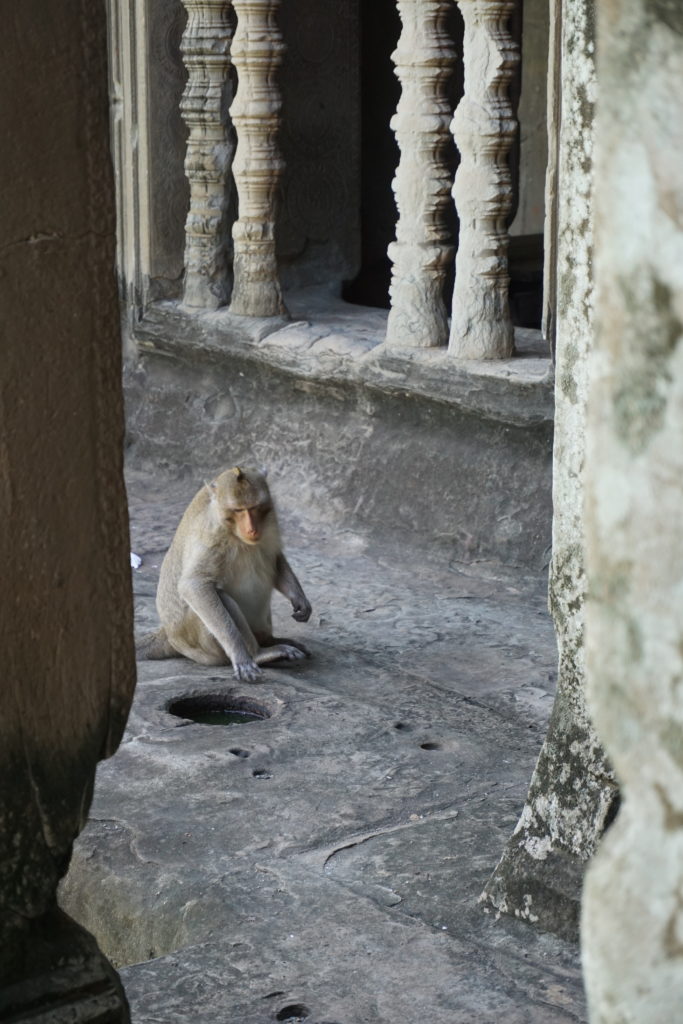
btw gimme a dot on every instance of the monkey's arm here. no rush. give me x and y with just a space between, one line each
202 597
287 583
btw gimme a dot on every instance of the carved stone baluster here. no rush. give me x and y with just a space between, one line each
205 47
257 53
484 126
424 60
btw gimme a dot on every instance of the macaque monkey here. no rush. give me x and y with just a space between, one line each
217 579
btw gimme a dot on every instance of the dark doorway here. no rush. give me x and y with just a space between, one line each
380 92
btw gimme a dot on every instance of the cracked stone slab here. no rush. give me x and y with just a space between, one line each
331 855
354 962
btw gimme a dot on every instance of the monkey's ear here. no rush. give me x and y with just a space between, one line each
238 473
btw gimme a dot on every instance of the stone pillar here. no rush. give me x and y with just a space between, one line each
632 927
552 184
572 792
66 645
257 54
420 255
205 47
484 126
129 152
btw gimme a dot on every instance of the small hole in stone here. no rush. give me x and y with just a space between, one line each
612 811
217 709
402 726
430 746
292 1014
261 773
238 752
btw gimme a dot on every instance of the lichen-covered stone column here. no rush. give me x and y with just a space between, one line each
572 792
421 253
205 48
632 926
257 54
484 126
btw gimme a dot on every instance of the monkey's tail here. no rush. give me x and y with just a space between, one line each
155 646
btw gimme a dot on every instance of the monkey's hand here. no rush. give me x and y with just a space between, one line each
302 609
246 671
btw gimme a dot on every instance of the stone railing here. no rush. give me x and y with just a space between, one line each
483 126
256 53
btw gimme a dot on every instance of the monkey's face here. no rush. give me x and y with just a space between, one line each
242 501
249 523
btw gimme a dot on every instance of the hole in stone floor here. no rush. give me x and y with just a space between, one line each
217 709
402 726
261 773
292 1014
430 746
238 752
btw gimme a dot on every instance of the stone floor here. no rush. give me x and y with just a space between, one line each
324 863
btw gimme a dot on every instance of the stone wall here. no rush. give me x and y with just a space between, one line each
456 463
632 920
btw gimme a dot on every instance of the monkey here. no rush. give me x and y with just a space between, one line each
217 578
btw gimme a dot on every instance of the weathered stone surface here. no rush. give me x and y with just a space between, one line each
572 793
331 856
66 655
456 461
632 907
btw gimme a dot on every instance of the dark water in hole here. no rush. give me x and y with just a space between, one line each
222 717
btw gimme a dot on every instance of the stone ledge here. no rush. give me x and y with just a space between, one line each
330 341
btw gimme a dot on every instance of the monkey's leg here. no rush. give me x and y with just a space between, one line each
262 652
196 642
286 651
287 583
225 622
238 617
272 641
155 646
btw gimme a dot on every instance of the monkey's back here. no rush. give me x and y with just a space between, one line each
188 536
